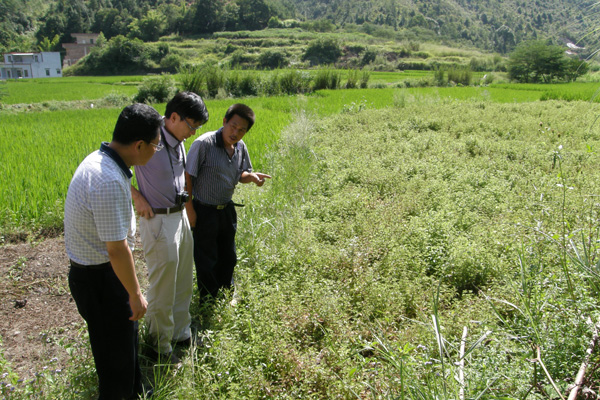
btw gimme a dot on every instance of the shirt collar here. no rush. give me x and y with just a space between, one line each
220 142
169 138
117 158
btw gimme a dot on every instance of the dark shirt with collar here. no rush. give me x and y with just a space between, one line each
214 173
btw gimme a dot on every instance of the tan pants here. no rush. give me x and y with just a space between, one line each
169 249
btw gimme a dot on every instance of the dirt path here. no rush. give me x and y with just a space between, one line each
36 310
38 317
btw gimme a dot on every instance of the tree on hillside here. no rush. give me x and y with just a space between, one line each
13 24
536 61
119 56
112 22
49 45
253 14
148 28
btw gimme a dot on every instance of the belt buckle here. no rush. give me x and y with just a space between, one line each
221 206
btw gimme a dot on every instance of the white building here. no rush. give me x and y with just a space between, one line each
31 65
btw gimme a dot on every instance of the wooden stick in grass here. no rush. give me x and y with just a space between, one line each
461 365
584 365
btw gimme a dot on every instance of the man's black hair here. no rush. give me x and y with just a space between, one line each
243 111
137 122
188 105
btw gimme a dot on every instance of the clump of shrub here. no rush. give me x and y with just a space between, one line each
239 84
171 63
294 82
119 56
322 51
271 59
352 81
461 76
364 79
191 78
115 99
368 57
326 79
156 89
240 58
455 75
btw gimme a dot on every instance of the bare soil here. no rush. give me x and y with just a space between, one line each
38 317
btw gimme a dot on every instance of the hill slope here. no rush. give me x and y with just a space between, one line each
496 25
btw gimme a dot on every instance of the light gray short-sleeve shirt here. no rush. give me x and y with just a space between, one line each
98 209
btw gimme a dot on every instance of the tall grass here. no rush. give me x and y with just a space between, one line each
382 235
33 188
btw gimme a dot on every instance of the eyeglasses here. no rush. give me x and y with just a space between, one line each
157 147
189 126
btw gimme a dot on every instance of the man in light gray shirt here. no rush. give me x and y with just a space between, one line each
99 229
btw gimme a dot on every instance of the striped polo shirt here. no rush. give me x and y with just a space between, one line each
215 174
98 207
162 178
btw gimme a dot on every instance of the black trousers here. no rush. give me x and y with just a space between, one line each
214 248
104 304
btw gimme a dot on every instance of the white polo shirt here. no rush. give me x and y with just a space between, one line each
98 207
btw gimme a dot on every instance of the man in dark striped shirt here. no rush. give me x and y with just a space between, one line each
217 161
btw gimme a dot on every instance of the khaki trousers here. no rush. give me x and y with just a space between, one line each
169 249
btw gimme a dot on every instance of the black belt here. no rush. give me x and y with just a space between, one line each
169 210
94 266
219 206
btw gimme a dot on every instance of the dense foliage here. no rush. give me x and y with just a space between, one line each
536 61
491 25
121 56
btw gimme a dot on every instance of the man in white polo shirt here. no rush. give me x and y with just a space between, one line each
99 230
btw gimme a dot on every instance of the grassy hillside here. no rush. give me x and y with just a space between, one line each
491 25
243 49
477 23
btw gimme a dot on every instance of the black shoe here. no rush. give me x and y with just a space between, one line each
163 358
185 343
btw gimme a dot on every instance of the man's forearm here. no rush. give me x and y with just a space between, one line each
123 264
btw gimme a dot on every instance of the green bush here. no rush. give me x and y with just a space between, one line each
439 77
368 57
119 56
353 79
156 89
294 82
326 79
322 51
271 59
240 58
215 79
536 61
364 79
272 85
240 84
462 76
192 79
274 23
171 63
